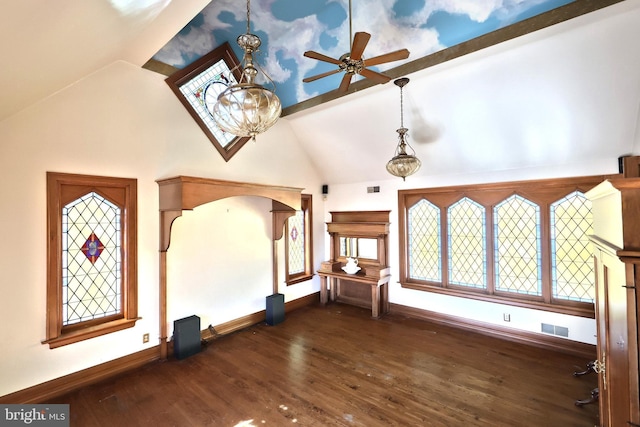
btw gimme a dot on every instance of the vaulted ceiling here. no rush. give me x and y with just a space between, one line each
561 87
288 28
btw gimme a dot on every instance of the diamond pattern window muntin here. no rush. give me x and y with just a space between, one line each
517 247
467 249
424 244
91 290
571 259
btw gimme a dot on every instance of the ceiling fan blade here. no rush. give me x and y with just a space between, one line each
321 57
387 57
360 41
344 84
319 76
374 75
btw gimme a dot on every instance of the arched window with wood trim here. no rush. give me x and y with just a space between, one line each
92 257
522 243
299 243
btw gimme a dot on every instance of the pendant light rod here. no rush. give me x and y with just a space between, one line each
401 83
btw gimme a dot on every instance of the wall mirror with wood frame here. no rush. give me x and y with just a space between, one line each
359 247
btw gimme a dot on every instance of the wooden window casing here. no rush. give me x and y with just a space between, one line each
541 192
121 192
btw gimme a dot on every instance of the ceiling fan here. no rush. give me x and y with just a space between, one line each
353 63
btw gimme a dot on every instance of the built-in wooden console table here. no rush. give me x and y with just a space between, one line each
341 288
361 235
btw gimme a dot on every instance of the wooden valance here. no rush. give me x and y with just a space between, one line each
187 192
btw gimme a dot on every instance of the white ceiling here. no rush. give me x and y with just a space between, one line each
565 94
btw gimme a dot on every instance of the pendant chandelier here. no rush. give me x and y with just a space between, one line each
246 109
403 164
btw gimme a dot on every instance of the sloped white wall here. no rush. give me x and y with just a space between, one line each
124 121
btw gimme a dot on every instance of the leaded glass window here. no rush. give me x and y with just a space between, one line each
91 259
298 241
524 243
571 259
467 244
202 91
296 247
198 85
425 249
517 246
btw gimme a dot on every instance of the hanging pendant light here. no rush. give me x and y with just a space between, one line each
403 164
246 109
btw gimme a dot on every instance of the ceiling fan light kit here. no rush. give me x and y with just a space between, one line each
247 108
403 164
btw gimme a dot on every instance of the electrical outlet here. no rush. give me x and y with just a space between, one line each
145 338
506 317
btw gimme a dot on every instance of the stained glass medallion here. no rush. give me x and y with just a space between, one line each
92 248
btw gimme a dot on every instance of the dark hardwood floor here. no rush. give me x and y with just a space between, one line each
335 366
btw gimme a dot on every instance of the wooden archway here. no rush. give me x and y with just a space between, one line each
186 193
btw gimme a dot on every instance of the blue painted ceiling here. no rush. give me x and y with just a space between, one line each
288 28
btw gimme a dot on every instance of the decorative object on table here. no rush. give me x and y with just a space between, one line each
351 267
403 164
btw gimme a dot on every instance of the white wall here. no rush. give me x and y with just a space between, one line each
355 197
124 121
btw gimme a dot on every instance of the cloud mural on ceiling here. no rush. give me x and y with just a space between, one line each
288 28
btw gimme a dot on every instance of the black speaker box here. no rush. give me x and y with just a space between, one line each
275 309
186 337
